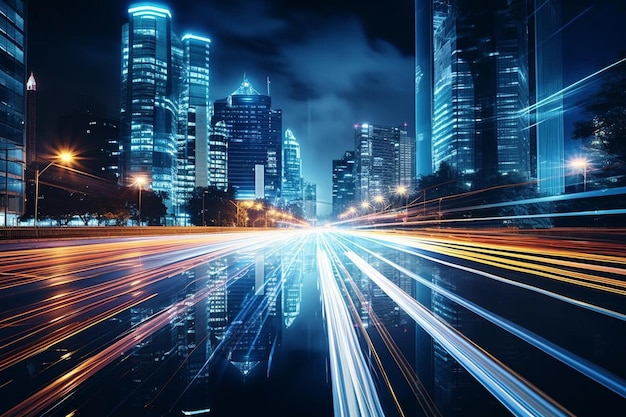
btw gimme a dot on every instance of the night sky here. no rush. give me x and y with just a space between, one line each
332 63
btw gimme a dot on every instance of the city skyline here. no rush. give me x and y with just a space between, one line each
334 87
370 80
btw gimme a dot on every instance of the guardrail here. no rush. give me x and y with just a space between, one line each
28 233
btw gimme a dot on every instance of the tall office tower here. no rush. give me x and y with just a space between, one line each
218 156
406 160
310 200
481 92
254 142
12 109
31 120
195 113
549 99
423 86
376 160
343 183
291 193
151 82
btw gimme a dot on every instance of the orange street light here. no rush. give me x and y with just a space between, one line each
64 157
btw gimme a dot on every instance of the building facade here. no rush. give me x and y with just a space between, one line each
496 89
13 108
376 161
343 183
480 87
406 160
548 153
291 193
218 156
151 83
195 117
254 143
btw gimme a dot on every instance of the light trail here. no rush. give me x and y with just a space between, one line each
403 243
519 396
585 367
415 384
67 383
354 392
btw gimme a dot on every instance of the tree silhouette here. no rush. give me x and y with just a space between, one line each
605 129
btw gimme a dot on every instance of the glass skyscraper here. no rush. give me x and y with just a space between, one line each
12 114
254 132
406 160
480 87
376 159
195 113
343 183
549 98
292 172
151 83
218 156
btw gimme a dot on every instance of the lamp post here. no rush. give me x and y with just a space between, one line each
63 157
204 193
402 190
581 163
139 181
380 200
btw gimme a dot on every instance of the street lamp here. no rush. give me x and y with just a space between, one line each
204 193
581 163
62 157
402 190
139 182
380 200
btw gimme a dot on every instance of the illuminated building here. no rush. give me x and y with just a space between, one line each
12 105
343 183
218 156
376 160
310 201
549 152
423 86
195 113
406 160
291 191
254 132
480 87
151 74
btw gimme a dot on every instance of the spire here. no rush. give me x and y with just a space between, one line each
245 89
31 84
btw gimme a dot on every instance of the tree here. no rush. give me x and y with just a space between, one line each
605 129
219 207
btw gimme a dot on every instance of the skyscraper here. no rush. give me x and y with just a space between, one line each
423 86
254 132
376 160
291 193
218 156
406 160
343 183
12 109
480 86
195 113
548 83
151 83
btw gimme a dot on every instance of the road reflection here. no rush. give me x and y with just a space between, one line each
312 322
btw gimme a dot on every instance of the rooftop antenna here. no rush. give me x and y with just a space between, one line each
268 85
